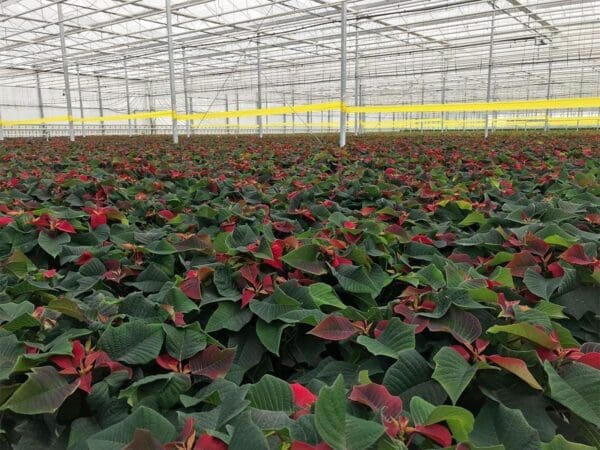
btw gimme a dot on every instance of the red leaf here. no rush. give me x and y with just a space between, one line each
178 319
250 274
65 226
65 363
591 359
85 257
303 398
481 345
284 227
448 238
49 273
5 221
536 245
167 362
366 211
212 362
521 262
340 261
378 398
192 285
422 239
192 288
334 328
97 219
516 367
277 248
410 317
459 257
247 296
208 442
556 269
166 214
461 351
267 283
297 445
380 328
506 306
42 221
390 172
228 226
70 364
546 355
427 305
85 382
78 353
104 360
187 430
576 255
593 218
436 432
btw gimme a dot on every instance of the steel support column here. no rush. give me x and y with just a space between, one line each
489 71
293 112
40 100
356 77
150 101
259 120
443 97
128 101
309 115
464 114
598 95
580 111
188 126
80 97
100 107
237 108
284 116
548 86
266 107
527 98
422 102
343 78
361 102
65 64
171 71
227 110
191 109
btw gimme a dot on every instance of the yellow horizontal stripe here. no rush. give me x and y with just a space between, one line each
120 117
10 123
517 105
278 110
434 123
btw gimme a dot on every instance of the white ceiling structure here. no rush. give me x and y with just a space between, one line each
409 51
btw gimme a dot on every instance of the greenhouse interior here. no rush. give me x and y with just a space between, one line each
299 224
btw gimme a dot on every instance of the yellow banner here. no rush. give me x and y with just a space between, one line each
13 123
517 105
416 124
122 117
278 110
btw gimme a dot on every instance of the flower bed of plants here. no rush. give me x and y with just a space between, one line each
410 291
